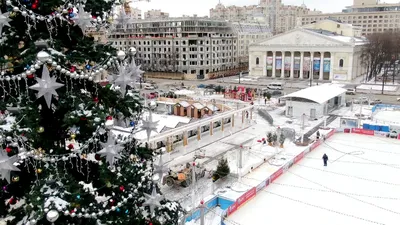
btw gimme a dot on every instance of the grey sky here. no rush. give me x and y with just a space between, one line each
202 7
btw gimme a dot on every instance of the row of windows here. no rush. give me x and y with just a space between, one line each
341 62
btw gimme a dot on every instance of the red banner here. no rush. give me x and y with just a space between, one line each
330 134
362 131
276 175
315 145
299 157
246 196
398 137
232 208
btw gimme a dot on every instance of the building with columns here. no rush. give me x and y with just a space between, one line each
305 53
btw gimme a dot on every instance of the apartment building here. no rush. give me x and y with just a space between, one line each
278 16
370 15
155 14
191 45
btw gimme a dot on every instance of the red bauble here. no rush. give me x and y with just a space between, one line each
122 188
83 118
8 149
70 146
109 118
97 157
72 69
30 76
96 99
34 6
12 201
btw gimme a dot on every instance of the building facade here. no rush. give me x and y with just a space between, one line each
156 14
190 45
278 16
367 14
307 54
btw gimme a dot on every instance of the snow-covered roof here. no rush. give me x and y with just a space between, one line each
184 104
198 105
318 94
184 92
212 107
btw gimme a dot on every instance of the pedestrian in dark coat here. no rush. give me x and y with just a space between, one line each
325 158
318 134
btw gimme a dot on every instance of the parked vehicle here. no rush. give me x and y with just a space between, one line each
275 86
351 91
398 99
149 87
375 101
201 86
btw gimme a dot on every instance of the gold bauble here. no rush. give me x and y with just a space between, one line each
108 184
15 179
73 136
39 170
40 130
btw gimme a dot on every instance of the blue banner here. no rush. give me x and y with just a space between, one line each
278 64
327 65
316 64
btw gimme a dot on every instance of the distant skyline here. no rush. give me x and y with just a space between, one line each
178 8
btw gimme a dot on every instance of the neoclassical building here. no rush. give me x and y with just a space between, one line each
299 53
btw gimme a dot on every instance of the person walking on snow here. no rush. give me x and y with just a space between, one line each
325 158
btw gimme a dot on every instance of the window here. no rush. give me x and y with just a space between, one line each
341 63
257 61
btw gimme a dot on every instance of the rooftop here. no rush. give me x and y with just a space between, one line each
318 94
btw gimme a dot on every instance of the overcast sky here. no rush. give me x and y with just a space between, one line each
202 7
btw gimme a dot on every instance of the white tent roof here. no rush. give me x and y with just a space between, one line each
184 92
319 94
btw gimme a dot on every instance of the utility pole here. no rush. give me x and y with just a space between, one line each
240 74
240 164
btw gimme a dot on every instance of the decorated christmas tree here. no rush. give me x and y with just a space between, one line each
60 160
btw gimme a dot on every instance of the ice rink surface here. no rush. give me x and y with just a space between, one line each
360 185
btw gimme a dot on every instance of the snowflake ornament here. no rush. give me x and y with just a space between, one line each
46 86
111 150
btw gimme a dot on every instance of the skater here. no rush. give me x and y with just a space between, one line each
325 158
318 134
265 101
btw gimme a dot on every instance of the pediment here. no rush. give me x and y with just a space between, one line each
301 37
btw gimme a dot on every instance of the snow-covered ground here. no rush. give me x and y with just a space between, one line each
387 117
359 186
376 87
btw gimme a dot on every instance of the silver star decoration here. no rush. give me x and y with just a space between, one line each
160 169
134 70
124 78
7 165
153 200
82 19
110 150
122 19
149 125
4 20
46 86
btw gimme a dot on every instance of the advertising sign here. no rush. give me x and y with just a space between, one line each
262 185
297 62
306 63
276 175
287 63
269 62
278 64
246 196
362 131
315 145
340 76
298 157
232 208
327 65
316 64
348 122
381 133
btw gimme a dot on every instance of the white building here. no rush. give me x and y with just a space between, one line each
369 14
302 52
155 14
315 102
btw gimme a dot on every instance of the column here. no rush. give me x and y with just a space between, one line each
242 117
331 67
311 66
321 67
251 114
211 128
233 120
273 63
350 67
264 64
185 138
198 133
301 65
283 65
222 125
292 65
169 144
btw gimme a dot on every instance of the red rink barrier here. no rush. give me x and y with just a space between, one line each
362 131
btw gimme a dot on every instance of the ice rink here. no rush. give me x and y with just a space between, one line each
360 185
